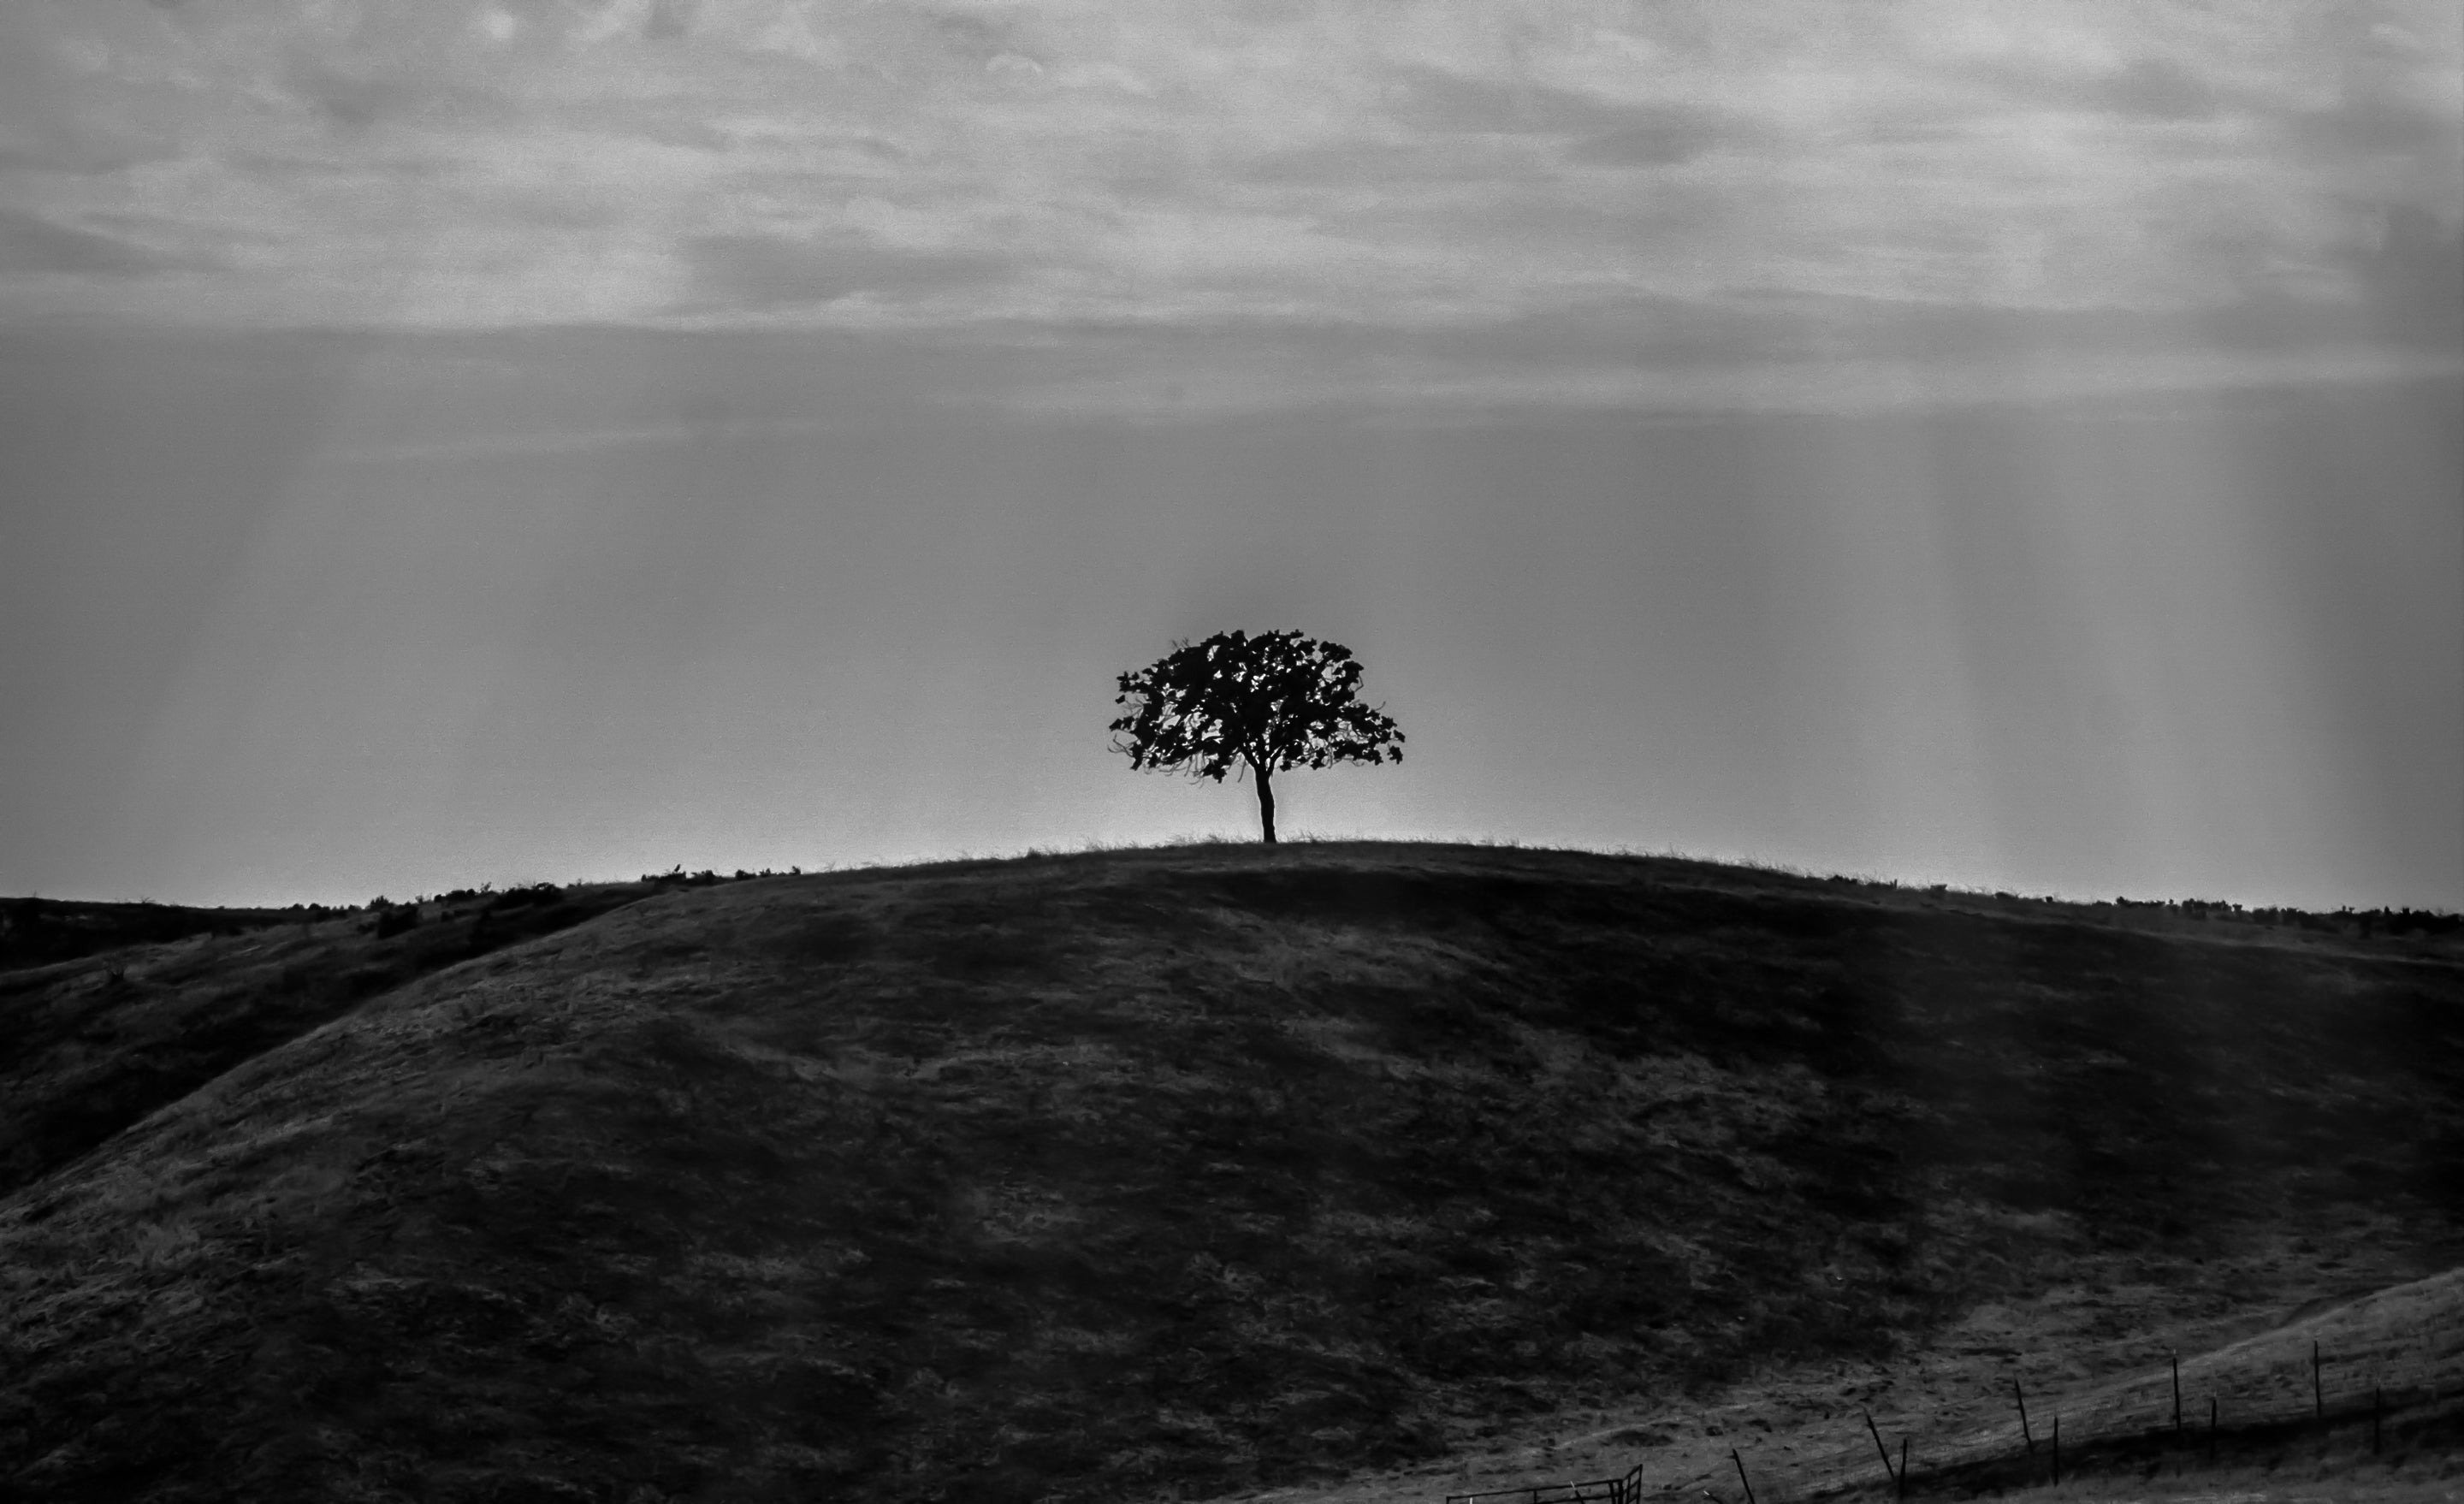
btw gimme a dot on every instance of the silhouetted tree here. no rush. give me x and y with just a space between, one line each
1274 701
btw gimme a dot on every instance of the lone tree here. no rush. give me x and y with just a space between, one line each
1274 701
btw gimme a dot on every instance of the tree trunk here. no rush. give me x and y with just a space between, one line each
1266 803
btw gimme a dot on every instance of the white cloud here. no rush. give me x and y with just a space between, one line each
1411 163
1770 368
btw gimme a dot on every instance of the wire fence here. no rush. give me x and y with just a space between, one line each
2384 1375
1627 1490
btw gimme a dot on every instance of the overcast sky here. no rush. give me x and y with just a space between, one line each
2018 446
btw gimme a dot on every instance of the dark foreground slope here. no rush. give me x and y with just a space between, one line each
38 932
1139 1174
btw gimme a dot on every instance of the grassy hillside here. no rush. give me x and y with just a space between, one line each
1168 1173
98 1027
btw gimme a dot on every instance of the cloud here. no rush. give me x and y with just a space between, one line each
767 272
2157 88
586 441
362 98
32 243
355 103
2147 88
1426 100
2372 124
81 155
1067 164
1661 137
1440 392
670 19
2415 277
1386 165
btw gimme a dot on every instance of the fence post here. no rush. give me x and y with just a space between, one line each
2378 1402
2318 1394
1879 1447
2177 1395
1741 1475
1903 1467
2058 1449
2211 1428
2019 1395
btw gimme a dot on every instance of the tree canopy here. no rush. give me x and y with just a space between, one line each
1272 703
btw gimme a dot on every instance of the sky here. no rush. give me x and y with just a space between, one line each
2012 446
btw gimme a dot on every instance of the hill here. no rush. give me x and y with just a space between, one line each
34 932
166 999
1158 1173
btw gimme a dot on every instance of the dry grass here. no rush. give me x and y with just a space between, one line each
153 1003
1800 1429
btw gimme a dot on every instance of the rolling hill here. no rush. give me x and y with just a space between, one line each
1154 1173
